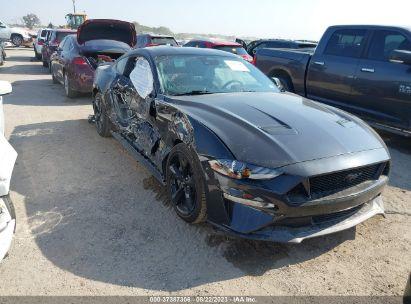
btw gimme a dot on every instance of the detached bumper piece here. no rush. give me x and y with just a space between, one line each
7 225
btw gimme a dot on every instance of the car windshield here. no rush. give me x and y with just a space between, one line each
203 74
238 50
164 41
61 35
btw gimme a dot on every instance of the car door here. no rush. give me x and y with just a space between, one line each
133 101
55 61
382 87
66 56
331 71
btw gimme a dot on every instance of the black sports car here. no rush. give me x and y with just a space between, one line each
234 150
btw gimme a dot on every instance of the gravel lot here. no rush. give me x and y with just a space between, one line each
92 221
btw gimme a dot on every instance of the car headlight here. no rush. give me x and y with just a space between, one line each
240 170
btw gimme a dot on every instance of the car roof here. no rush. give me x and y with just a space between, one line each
216 42
169 50
370 27
156 35
64 31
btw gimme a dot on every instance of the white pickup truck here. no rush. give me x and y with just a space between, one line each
18 36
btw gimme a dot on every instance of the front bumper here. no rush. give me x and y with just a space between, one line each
265 210
284 234
7 227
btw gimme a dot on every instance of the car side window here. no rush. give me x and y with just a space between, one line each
121 65
62 44
141 76
383 43
346 43
68 45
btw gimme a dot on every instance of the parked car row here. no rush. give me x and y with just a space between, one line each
229 145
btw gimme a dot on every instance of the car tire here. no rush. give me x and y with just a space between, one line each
185 184
55 81
70 93
37 55
103 124
10 206
17 40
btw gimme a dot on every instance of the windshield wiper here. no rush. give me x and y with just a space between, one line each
194 92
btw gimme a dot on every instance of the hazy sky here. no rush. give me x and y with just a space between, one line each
262 18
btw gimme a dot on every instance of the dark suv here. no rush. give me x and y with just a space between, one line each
52 42
253 46
146 40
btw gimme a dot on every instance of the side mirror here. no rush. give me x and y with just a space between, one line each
5 88
401 56
278 83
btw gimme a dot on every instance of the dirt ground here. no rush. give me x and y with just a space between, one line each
92 221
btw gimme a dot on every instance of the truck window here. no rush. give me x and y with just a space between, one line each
346 43
384 42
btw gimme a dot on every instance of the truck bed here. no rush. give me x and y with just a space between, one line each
292 62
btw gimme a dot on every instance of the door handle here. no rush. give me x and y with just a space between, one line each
366 70
319 63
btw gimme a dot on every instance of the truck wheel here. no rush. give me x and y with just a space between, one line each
17 40
287 85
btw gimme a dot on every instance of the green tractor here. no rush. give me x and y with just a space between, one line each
75 20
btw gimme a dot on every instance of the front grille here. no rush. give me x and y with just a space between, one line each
336 182
329 184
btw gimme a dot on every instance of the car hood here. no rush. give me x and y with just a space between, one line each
279 129
107 29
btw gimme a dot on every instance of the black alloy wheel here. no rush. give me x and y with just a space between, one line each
102 121
185 185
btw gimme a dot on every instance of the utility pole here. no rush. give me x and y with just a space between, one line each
74 6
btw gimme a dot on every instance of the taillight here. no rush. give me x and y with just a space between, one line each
254 61
79 61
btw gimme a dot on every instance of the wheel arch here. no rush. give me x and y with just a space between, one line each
282 73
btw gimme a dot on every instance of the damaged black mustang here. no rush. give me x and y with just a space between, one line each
234 150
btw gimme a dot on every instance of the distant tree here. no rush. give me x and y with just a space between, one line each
31 20
50 25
